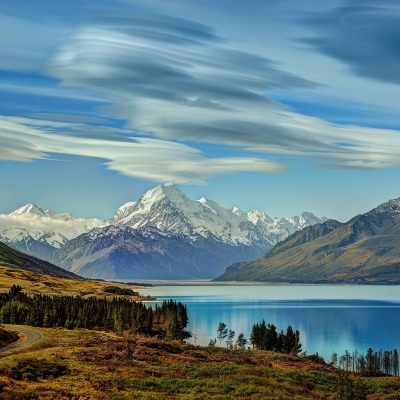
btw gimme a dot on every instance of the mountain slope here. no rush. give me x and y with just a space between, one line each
15 259
39 232
146 253
365 249
166 235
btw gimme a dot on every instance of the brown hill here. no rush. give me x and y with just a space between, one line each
366 249
15 259
37 276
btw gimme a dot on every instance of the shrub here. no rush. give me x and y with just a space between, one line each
32 369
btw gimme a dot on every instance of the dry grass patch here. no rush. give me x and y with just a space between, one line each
97 365
34 283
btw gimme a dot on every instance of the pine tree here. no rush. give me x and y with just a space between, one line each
241 341
395 362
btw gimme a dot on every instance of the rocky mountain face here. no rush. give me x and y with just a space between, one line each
366 249
166 235
146 253
39 232
163 235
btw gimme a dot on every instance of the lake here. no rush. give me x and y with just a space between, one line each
329 318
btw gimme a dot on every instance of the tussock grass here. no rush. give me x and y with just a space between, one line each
34 283
97 365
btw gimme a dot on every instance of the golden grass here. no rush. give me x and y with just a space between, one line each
34 283
107 366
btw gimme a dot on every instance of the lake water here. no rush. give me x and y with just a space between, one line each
329 318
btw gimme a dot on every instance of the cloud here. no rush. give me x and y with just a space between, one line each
146 158
363 35
177 80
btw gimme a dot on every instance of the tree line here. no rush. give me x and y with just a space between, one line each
262 337
266 337
167 320
373 363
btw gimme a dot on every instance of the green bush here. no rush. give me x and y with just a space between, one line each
120 291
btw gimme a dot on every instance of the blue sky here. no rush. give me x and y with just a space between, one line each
283 106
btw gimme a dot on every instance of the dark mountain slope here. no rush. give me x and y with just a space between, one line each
145 253
15 259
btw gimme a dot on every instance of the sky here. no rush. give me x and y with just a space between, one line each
282 106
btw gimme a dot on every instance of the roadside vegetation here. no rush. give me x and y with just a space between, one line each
92 365
7 337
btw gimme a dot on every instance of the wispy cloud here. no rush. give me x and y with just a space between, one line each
145 158
178 80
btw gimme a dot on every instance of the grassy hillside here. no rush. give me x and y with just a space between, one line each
360 251
104 366
37 276
7 337
33 283
15 259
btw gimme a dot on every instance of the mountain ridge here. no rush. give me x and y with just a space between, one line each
366 249
207 236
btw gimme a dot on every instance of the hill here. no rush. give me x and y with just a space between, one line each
366 249
37 276
15 259
105 366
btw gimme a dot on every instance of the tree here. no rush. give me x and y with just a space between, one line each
222 332
334 359
395 362
229 340
241 341
370 362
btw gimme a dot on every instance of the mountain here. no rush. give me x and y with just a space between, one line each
366 249
146 253
39 232
170 211
12 258
166 235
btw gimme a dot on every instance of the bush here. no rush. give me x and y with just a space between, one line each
120 291
32 369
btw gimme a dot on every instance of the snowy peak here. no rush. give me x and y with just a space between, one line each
390 209
167 191
29 209
38 232
170 211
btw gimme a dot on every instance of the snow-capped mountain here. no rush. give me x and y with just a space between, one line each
146 253
162 235
166 235
366 249
170 211
39 232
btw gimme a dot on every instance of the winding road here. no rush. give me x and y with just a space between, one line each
31 338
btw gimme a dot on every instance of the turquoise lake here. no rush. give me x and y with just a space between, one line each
329 318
